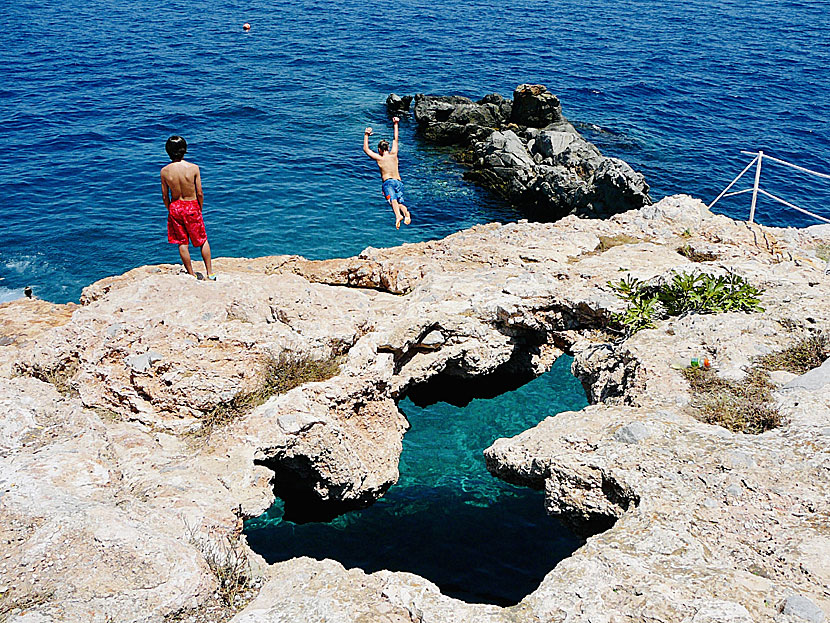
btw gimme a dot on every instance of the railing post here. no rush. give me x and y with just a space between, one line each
755 187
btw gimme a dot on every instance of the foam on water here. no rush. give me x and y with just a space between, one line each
7 295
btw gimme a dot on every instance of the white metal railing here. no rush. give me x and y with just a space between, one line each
760 156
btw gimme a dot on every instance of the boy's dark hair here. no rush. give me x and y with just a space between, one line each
176 147
383 146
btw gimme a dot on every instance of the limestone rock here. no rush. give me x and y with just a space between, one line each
136 432
632 433
815 379
802 608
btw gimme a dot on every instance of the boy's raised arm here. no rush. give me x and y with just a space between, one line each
366 134
394 149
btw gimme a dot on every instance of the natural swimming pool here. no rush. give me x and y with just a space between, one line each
447 519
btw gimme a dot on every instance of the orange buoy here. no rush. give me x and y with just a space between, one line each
246 26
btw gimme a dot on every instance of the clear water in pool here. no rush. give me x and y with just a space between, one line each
447 519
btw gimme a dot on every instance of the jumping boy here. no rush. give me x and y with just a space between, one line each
387 160
181 189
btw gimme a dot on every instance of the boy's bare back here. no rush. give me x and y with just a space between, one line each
388 165
183 180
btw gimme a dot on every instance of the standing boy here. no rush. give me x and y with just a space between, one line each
387 160
181 189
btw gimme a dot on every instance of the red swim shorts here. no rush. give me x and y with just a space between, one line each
184 218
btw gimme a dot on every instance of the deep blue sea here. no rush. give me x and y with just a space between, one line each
90 91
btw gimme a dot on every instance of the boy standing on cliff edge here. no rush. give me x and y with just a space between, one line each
181 189
387 160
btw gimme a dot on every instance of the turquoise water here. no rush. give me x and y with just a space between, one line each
89 91
447 519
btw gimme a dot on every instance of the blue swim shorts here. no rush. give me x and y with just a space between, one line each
393 189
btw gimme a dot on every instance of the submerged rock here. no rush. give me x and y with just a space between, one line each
525 150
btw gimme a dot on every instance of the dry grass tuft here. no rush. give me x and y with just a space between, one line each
744 406
799 358
696 256
609 242
60 376
278 376
823 252
228 561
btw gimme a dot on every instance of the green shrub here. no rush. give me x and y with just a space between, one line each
686 292
702 293
642 304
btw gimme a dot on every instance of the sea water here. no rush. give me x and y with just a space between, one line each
89 92
447 519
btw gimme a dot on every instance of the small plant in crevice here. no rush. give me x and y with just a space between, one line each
609 242
684 293
606 243
277 376
800 357
696 256
228 562
744 406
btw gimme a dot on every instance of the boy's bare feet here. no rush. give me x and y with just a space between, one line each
397 222
406 218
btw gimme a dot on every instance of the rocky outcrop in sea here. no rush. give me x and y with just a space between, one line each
526 150
141 427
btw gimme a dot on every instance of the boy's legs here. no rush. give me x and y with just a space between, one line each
185 253
398 196
206 257
396 208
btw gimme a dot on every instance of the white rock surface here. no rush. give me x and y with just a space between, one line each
106 490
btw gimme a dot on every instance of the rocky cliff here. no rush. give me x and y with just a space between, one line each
142 426
525 150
